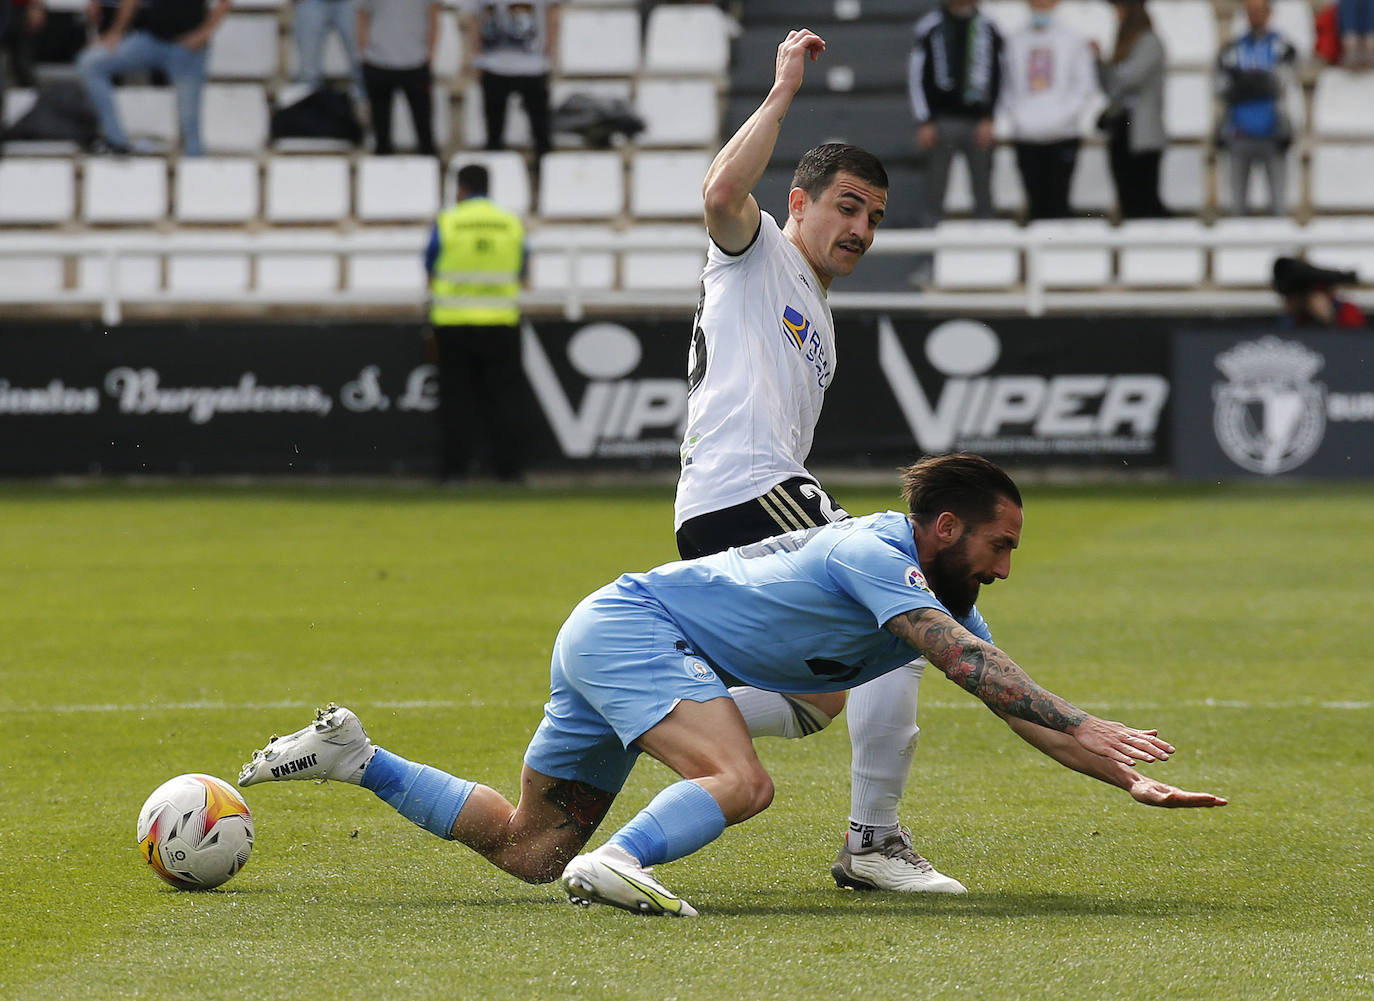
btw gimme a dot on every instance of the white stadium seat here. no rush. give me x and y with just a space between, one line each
1259 185
582 185
137 274
386 272
31 278
981 267
1343 105
1161 266
1340 177
507 176
1251 265
1353 256
668 185
1189 97
1091 189
307 189
234 118
598 42
302 273
1071 267
124 190
447 63
1007 193
217 274
687 39
679 268
36 190
148 113
397 188
1187 29
678 112
244 47
552 268
1183 178
216 189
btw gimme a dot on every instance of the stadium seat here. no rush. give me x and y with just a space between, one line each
678 112
1341 105
1176 265
31 278
148 113
658 268
36 190
1189 99
860 56
582 185
1340 178
1183 182
216 189
1007 193
18 101
550 268
397 188
234 118
667 185
475 126
208 274
1354 256
598 42
687 39
1091 189
303 273
403 127
1188 30
124 190
1071 267
620 88
1251 265
1290 18
137 274
1259 185
447 63
989 266
245 47
307 189
366 272
507 174
881 123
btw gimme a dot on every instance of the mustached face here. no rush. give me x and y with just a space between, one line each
974 556
951 576
837 228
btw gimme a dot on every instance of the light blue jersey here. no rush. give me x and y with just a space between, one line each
802 612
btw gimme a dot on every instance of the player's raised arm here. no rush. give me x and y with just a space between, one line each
732 214
982 669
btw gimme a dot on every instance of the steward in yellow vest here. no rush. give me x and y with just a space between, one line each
475 278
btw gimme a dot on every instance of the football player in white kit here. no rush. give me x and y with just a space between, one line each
762 356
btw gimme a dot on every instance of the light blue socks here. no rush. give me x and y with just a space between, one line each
422 794
681 819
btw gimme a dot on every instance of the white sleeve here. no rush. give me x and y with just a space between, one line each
915 87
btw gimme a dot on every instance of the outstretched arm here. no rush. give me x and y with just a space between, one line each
985 671
732 214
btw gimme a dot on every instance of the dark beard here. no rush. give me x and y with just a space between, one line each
950 577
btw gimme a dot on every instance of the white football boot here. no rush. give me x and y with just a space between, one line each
610 875
892 865
334 746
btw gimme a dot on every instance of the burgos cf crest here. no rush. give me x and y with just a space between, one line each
795 326
1270 417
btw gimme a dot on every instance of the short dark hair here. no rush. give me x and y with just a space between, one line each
960 482
474 179
818 167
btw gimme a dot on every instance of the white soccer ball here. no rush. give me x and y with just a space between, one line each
195 831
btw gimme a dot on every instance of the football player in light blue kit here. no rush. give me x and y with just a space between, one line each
642 665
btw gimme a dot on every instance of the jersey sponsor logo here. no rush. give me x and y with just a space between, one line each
1270 416
803 334
796 326
914 578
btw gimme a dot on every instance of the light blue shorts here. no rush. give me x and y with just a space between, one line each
619 665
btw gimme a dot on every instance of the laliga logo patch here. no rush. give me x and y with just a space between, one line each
699 668
914 578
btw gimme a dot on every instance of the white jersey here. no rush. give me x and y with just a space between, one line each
762 356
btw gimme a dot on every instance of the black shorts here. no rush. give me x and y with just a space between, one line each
791 505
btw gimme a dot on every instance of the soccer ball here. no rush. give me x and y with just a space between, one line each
195 831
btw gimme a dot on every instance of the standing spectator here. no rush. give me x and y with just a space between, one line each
397 38
475 260
1133 79
511 43
1050 80
25 22
954 79
174 36
311 21
1356 19
1255 130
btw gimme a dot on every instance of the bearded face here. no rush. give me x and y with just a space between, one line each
952 577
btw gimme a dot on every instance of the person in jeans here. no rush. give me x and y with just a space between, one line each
311 22
174 37
397 38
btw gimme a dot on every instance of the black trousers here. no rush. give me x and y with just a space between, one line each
534 98
1135 175
382 84
792 505
1046 172
481 401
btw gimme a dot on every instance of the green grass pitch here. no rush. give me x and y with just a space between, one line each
153 630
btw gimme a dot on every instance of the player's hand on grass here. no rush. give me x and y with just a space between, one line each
1154 793
1120 742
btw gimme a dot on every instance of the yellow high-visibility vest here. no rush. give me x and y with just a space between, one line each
476 279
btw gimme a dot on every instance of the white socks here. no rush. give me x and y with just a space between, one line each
772 714
882 735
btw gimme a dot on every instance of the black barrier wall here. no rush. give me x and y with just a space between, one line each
1086 392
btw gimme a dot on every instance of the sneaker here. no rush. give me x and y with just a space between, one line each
334 746
893 865
610 875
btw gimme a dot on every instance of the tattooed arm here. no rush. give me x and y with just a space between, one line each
985 671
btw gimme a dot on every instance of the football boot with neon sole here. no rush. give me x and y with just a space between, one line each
334 746
610 875
892 865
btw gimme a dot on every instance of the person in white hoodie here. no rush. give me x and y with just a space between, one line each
1050 80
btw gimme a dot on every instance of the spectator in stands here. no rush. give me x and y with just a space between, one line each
173 36
475 261
1255 130
398 38
954 80
511 43
1356 20
101 14
1133 79
1309 295
25 22
311 22
1049 82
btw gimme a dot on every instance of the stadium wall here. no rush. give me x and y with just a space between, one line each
1198 398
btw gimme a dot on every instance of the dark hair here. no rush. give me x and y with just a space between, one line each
963 483
1136 23
1294 276
474 179
818 167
